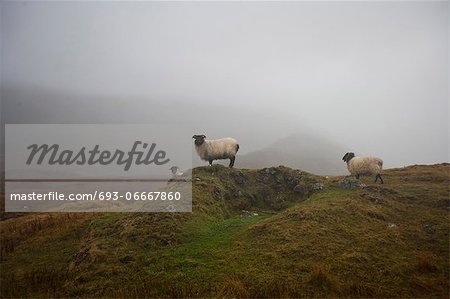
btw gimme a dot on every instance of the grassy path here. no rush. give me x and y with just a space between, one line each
205 258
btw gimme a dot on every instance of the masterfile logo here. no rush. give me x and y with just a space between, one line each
53 155
97 168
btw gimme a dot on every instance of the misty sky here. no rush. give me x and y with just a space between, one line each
371 76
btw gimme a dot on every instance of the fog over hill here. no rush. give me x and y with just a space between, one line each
304 151
300 150
371 76
266 138
25 104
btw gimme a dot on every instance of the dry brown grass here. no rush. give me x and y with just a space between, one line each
233 288
14 231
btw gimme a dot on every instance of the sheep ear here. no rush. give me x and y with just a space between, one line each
195 136
203 136
345 156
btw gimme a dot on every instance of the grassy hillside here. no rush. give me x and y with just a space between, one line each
274 232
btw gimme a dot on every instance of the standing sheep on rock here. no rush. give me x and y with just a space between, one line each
364 166
210 150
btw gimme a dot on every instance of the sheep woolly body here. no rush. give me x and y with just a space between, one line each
224 148
365 165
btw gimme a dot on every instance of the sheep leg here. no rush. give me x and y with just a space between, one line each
232 162
210 162
357 176
379 176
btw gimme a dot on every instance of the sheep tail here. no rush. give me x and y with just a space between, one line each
237 147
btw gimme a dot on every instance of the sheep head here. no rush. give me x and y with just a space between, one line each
199 139
348 156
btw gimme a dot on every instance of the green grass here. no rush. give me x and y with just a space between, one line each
205 258
381 241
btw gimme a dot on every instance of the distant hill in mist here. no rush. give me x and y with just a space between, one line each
303 151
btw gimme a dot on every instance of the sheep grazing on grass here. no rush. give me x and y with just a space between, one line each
210 150
359 166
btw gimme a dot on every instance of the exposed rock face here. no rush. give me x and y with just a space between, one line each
351 183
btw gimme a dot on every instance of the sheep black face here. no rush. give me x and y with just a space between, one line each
348 156
199 139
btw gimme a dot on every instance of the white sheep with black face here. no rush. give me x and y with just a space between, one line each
217 149
359 166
